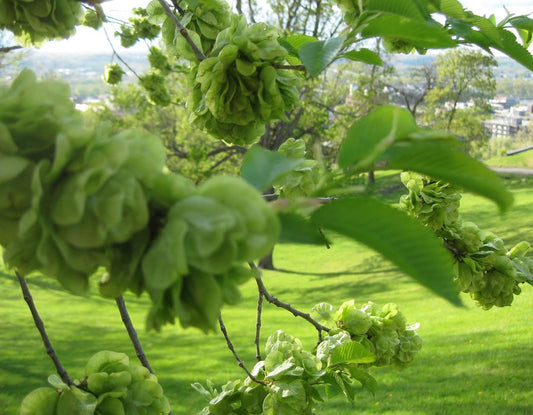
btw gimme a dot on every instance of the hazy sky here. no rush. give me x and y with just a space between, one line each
88 40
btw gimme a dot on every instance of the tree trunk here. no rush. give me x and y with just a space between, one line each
267 262
371 177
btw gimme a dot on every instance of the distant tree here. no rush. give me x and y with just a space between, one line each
411 90
463 76
516 87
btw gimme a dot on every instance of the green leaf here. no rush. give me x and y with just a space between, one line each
524 27
405 8
41 401
263 167
316 56
369 137
399 238
415 32
344 385
76 401
440 160
451 8
294 43
364 55
352 352
368 381
297 229
514 50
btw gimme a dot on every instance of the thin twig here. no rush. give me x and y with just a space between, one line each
118 56
197 52
258 326
61 371
239 361
291 67
273 300
132 333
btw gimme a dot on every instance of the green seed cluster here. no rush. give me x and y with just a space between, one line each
74 200
491 274
110 386
434 203
203 20
113 73
35 21
237 89
484 267
382 330
351 9
140 27
304 178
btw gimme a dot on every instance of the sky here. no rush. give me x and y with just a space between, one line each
88 40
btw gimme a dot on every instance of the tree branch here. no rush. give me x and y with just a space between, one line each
132 333
236 149
117 55
273 300
258 326
230 346
7 49
197 52
291 67
40 326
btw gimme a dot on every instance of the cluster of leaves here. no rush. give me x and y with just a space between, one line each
110 386
74 200
484 267
292 380
35 21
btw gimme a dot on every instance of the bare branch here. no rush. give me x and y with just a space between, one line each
251 11
238 6
230 346
258 326
61 371
197 52
7 49
236 149
273 300
132 333
291 67
118 56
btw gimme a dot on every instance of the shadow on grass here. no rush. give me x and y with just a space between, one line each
334 274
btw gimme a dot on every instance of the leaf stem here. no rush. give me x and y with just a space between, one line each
61 371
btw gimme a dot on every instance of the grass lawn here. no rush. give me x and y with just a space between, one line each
472 361
524 159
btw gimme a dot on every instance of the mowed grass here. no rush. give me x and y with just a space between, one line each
472 361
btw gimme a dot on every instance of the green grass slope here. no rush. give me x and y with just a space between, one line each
472 361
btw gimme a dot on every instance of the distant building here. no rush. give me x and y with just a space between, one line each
502 127
508 120
503 103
